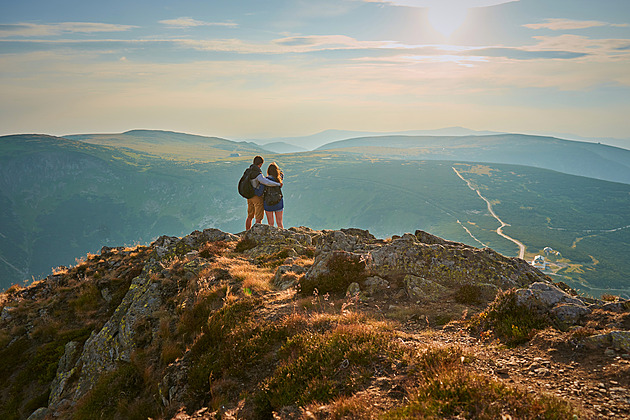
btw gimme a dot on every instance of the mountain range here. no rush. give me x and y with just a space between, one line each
64 197
314 141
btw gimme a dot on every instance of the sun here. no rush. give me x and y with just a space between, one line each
446 19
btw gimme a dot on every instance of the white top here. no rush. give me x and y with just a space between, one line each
260 179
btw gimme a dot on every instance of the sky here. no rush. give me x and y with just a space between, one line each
254 69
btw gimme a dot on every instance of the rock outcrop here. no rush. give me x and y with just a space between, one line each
426 266
163 296
547 298
135 322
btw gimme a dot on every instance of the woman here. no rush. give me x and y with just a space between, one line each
273 200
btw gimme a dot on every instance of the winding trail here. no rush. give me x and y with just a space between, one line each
521 247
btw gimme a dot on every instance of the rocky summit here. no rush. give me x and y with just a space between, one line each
307 324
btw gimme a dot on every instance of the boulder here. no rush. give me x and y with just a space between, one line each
349 240
353 289
166 247
375 284
450 264
65 370
39 414
264 240
419 288
544 296
569 313
287 276
619 340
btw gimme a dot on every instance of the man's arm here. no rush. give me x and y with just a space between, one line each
260 178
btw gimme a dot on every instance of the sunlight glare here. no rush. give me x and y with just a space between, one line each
446 20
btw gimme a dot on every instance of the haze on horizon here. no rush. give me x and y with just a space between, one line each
246 68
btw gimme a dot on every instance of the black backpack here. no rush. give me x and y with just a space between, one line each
272 195
245 187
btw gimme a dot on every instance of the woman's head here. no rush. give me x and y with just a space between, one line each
274 170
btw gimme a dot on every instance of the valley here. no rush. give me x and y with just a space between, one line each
65 198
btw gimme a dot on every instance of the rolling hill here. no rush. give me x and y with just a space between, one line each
171 145
63 198
577 158
316 140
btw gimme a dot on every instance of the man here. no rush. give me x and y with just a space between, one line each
255 206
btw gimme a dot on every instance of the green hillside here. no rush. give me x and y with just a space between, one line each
170 145
62 199
576 158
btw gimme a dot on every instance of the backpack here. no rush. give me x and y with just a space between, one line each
272 195
245 187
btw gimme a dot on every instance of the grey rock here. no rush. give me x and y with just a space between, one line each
569 313
65 371
419 288
545 295
353 289
39 414
621 306
117 340
619 340
268 240
6 313
287 276
374 284
106 294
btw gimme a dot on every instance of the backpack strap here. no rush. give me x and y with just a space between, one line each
254 171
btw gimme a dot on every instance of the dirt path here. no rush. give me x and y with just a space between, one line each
521 247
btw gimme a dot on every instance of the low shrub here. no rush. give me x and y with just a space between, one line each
322 367
607 297
343 268
512 323
245 244
455 392
117 394
469 294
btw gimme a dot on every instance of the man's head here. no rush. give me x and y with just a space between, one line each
258 160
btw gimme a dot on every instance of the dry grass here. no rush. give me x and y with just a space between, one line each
254 280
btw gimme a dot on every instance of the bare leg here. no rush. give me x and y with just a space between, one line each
248 223
269 217
279 219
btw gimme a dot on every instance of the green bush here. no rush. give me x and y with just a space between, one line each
510 322
321 367
459 393
469 294
117 394
245 244
343 268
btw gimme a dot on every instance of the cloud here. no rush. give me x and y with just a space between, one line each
34 29
466 4
187 22
288 45
522 54
568 24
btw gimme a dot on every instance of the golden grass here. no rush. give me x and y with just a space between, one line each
254 279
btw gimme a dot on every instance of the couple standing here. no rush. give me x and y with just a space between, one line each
266 193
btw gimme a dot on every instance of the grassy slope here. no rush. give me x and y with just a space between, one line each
586 220
65 198
170 145
577 158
